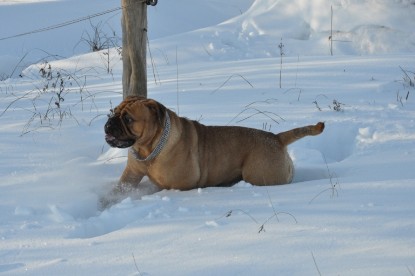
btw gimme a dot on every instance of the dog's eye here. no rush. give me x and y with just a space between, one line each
128 119
111 113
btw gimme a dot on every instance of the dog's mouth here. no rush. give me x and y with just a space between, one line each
114 135
117 143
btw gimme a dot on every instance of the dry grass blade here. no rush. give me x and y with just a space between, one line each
333 187
315 263
229 78
135 264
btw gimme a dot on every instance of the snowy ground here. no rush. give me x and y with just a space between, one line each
350 210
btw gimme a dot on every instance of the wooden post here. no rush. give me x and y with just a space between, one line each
134 41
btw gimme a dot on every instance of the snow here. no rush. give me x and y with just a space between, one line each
350 210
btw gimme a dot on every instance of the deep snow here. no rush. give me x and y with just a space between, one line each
350 210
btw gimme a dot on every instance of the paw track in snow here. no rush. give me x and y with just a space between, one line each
116 217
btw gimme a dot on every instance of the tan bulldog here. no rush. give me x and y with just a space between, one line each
178 153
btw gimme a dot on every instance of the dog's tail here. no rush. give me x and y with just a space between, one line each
295 134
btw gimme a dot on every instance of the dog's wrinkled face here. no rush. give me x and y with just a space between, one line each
135 120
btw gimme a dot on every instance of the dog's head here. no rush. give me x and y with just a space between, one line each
134 120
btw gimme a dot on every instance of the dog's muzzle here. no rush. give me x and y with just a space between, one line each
115 135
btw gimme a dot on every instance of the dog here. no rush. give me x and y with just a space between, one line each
178 153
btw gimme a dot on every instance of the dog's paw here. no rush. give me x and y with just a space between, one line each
110 199
105 202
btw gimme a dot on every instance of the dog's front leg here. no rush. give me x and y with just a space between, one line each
126 186
130 179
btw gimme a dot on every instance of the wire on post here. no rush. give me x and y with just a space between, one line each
151 2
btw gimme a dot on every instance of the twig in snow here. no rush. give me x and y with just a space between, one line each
407 78
229 78
281 47
315 263
261 226
230 212
135 264
333 187
271 115
410 272
275 215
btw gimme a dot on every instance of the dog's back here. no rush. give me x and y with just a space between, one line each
229 154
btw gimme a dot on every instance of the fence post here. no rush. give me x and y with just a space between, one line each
134 38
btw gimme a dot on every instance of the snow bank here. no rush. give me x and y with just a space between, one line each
304 28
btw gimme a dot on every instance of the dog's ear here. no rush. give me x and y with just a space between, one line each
158 110
129 100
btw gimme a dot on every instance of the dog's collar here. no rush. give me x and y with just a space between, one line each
160 145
